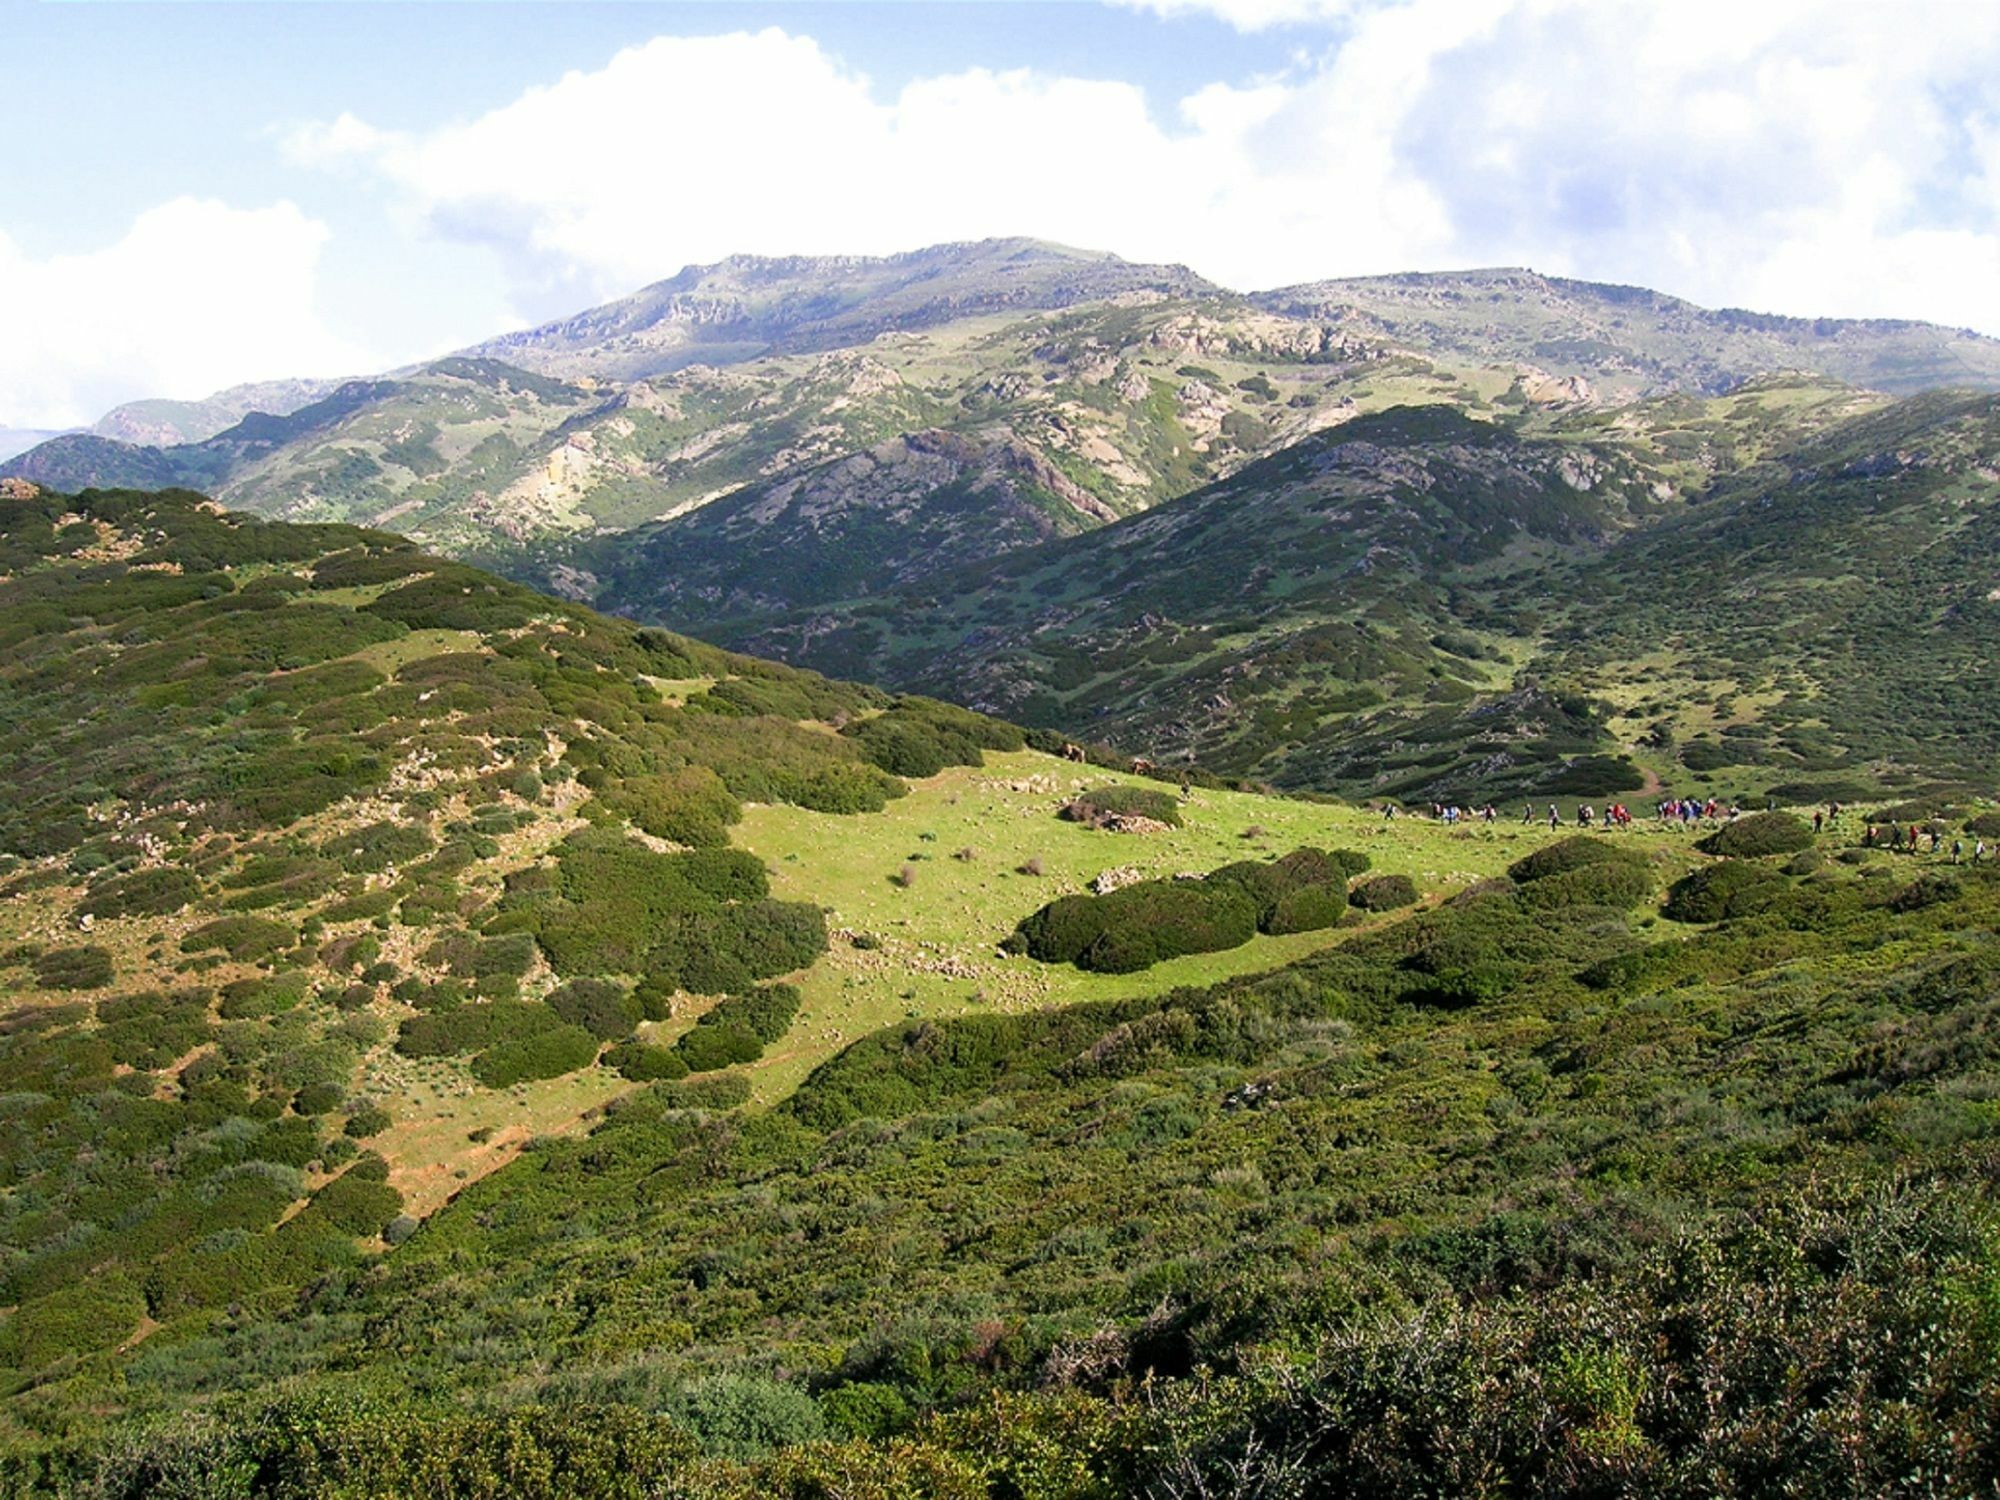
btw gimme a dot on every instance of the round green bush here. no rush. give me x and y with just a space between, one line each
643 1062
370 1119
1734 888
1758 835
1308 910
1384 893
707 1048
1565 854
606 1010
1932 888
548 1054
1620 882
86 968
318 1098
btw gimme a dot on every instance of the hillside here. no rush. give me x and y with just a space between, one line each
1787 584
168 423
448 1032
750 306
1627 342
1092 388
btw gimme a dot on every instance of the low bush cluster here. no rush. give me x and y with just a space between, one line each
918 737
143 893
1758 835
1732 888
1139 925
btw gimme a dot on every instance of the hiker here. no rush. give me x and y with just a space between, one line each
1555 818
1978 850
1957 849
1819 821
1527 813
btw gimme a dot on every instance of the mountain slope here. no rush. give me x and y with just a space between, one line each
750 306
1415 604
165 423
396 1098
1628 342
1139 383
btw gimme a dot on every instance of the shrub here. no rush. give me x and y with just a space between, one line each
1140 925
715 1091
1932 888
1565 854
318 1098
1118 807
1384 893
1759 834
905 877
606 1010
349 955
713 953
1620 882
1307 910
143 893
1733 888
548 1054
459 1029
377 846
690 806
707 1048
643 1062
242 938
247 999
459 953
766 1012
370 1119
84 968
1984 825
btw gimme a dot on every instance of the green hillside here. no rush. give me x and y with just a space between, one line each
456 1043
1787 588
764 435
1626 341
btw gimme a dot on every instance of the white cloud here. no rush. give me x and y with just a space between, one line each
689 149
1251 15
195 296
1803 157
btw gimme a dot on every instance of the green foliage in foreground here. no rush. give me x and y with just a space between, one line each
1708 1214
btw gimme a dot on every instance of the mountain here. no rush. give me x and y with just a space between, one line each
1134 383
1788 583
456 1042
1627 342
162 423
16 440
751 306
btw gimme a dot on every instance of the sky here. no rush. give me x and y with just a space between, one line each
195 195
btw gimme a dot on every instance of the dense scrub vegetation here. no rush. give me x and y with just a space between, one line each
308 792
1515 1188
1141 924
1667 1217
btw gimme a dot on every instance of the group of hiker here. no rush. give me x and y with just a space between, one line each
1913 840
1688 812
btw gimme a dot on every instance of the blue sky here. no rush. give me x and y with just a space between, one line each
193 194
